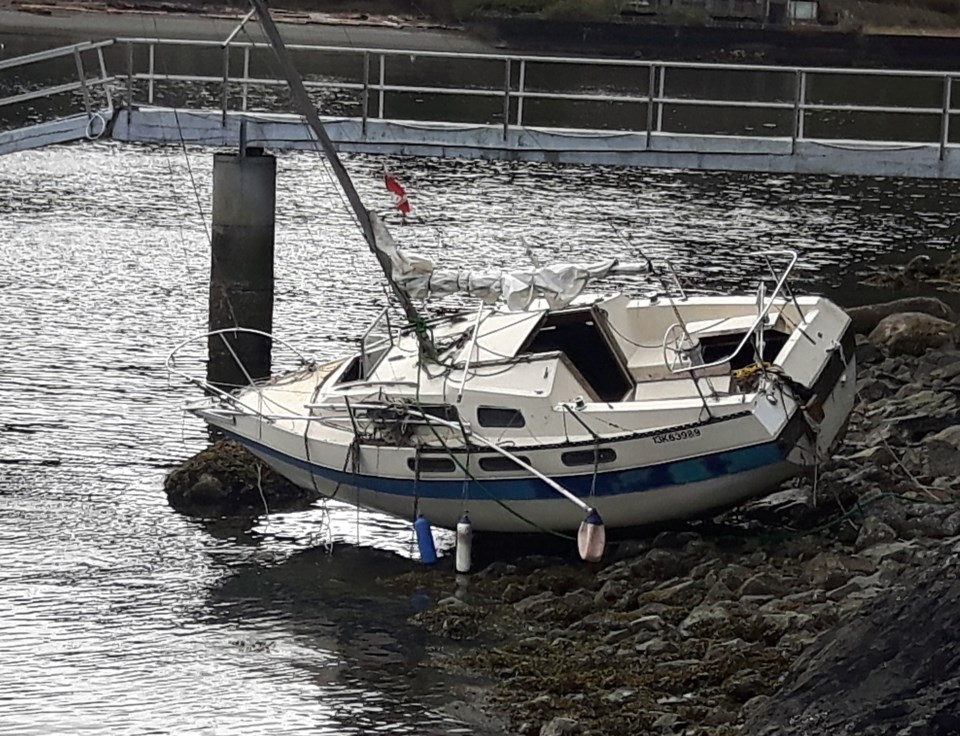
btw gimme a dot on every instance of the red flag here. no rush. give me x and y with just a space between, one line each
399 193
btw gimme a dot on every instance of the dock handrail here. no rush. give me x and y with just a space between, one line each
650 103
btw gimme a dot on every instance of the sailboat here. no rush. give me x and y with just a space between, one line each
549 407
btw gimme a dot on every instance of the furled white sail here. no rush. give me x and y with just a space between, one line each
558 284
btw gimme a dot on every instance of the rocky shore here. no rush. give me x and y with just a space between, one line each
806 613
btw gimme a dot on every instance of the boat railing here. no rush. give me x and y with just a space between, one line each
230 403
678 339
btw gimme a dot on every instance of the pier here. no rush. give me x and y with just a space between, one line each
798 120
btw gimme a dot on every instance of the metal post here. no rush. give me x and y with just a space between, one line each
150 75
365 95
246 76
521 88
129 81
83 82
241 265
383 76
663 77
103 78
801 106
797 91
651 81
506 97
224 88
945 116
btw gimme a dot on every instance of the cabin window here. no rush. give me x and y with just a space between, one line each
495 416
431 464
588 457
499 463
441 411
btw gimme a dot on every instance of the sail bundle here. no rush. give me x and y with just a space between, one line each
558 284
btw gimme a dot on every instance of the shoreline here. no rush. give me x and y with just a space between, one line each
914 48
95 25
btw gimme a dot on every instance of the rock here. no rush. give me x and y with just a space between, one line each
856 586
227 480
657 646
718 592
615 637
704 620
513 593
782 622
645 623
865 319
874 532
720 717
901 552
745 685
943 452
733 576
866 352
724 651
620 695
668 722
533 602
820 569
760 584
658 564
610 592
884 671
951 525
794 642
686 593
911 333
560 727
453 602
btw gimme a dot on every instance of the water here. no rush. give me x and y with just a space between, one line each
119 616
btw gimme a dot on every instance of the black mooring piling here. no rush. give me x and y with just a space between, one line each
241 266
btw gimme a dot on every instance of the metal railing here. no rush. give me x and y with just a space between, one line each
373 70
84 83
656 88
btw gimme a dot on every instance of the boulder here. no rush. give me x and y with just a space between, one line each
560 727
226 480
943 453
894 668
865 319
874 532
705 620
911 333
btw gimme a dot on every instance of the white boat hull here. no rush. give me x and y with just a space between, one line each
648 460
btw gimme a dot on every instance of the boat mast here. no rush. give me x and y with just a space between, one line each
309 111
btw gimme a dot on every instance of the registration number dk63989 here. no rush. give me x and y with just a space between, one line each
680 434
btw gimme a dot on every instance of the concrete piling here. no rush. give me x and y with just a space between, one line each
241 265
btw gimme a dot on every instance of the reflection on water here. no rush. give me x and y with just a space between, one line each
116 614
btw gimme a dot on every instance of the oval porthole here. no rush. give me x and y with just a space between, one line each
588 457
431 464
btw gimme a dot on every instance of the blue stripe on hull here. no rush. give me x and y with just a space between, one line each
611 483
